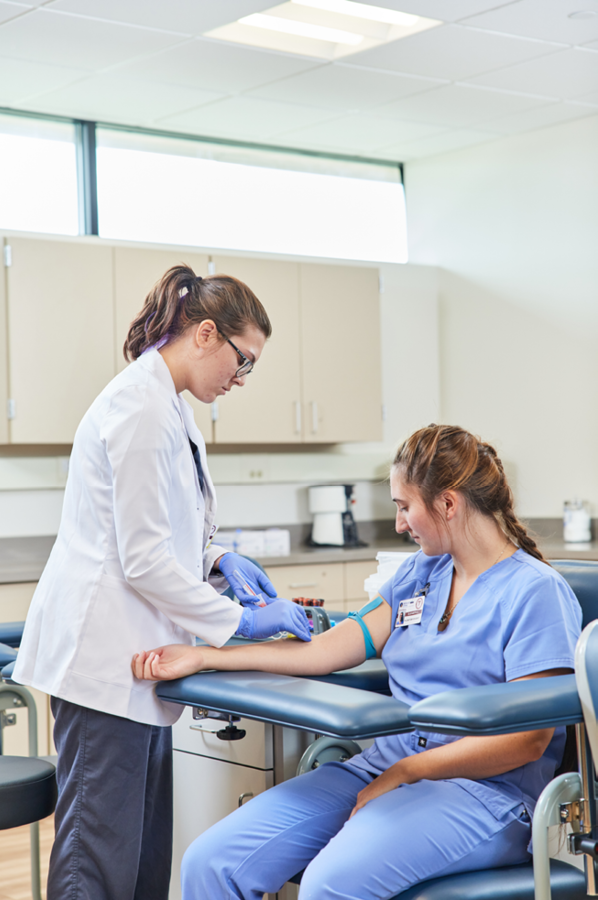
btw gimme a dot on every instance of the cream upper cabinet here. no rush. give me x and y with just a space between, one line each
340 339
4 436
267 409
60 335
136 270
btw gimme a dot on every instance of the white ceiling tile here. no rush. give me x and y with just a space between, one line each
20 78
547 20
257 120
12 11
453 52
566 75
114 98
357 134
456 106
48 37
444 143
213 65
188 16
439 9
344 88
543 117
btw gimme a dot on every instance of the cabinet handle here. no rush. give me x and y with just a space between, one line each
297 417
314 417
300 584
243 797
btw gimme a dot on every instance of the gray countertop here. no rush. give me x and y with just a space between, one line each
23 559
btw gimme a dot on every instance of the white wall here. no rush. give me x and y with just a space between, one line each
513 226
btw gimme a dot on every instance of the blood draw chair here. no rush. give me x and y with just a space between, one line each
354 705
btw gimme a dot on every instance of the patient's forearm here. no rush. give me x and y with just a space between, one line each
340 648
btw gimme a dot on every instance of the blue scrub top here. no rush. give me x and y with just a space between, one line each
519 617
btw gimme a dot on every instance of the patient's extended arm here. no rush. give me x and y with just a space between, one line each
341 647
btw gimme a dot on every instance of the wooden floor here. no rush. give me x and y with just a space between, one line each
15 868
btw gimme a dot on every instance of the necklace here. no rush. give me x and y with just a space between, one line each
446 616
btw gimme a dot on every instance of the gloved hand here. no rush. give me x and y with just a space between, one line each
279 615
236 569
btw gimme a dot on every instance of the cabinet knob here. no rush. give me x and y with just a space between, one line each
243 797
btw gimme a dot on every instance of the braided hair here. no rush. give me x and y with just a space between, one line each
448 458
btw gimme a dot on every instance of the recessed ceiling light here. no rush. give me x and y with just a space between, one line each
302 29
327 29
362 11
583 14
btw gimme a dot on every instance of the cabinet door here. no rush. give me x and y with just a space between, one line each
136 270
340 339
316 582
355 574
267 409
61 335
205 791
4 436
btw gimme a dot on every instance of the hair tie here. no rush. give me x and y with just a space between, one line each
198 278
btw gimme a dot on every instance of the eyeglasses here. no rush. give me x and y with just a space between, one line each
246 364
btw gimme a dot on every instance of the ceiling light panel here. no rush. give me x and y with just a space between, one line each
326 29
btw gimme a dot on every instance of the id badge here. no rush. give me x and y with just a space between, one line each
410 611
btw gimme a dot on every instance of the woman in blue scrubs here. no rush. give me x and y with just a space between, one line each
478 605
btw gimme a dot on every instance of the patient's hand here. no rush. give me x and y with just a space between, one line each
166 663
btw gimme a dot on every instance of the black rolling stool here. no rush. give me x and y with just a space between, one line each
27 784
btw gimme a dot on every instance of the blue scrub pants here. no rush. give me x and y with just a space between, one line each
411 834
114 811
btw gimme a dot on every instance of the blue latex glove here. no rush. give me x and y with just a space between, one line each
236 569
279 615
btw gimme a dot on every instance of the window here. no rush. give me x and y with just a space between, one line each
216 195
38 175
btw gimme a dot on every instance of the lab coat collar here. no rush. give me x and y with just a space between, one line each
153 362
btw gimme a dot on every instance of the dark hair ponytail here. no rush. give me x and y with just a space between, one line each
448 458
181 299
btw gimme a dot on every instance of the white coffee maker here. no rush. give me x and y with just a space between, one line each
333 525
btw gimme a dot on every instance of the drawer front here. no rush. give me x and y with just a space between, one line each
15 600
205 791
199 736
319 582
355 575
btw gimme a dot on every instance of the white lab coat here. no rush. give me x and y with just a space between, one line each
130 569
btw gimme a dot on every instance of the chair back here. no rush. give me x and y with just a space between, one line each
582 577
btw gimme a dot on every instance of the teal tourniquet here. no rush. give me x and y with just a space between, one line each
370 650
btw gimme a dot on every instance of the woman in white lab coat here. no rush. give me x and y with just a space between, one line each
133 566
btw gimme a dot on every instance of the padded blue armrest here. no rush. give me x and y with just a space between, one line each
11 633
7 671
501 708
329 709
372 675
7 655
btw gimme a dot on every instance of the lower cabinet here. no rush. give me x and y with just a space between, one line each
212 778
340 584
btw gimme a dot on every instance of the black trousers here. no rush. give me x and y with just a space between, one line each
114 811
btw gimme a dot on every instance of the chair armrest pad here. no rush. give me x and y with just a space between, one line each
329 709
501 708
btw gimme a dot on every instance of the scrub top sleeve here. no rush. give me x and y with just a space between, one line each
403 573
542 622
141 453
